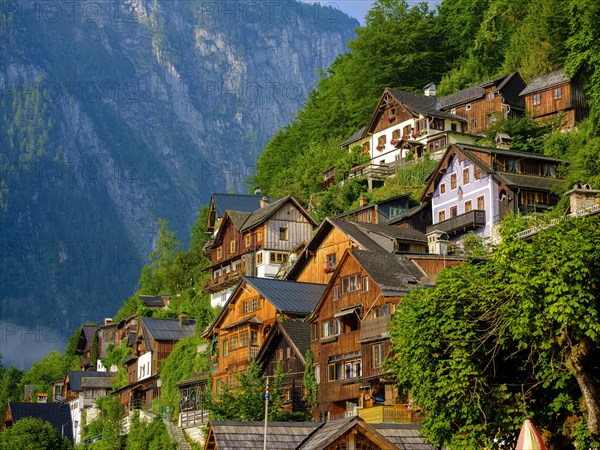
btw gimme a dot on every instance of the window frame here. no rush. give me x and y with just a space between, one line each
481 203
468 206
453 181
442 188
466 176
378 355
536 99
283 233
557 93
365 284
441 215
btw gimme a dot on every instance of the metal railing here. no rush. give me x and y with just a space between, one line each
534 230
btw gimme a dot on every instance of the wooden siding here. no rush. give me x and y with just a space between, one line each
478 117
548 105
336 243
401 115
298 227
230 234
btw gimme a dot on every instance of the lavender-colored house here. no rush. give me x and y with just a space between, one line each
474 187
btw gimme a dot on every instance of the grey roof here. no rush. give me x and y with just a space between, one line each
423 104
168 329
531 181
152 301
88 334
407 213
298 333
238 218
473 92
354 137
288 296
391 272
249 435
58 414
99 382
371 205
398 233
76 377
261 214
356 234
403 436
235 202
546 81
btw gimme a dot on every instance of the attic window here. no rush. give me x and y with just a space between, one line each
283 233
558 93
410 279
537 99
453 111
468 107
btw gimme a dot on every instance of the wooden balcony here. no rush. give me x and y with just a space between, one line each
400 413
460 223
374 171
373 329
224 281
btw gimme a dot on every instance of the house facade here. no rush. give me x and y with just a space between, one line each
554 94
485 104
255 244
245 321
349 335
474 187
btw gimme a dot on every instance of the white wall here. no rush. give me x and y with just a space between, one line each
145 366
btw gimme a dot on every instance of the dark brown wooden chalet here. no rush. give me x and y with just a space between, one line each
84 346
286 346
351 433
418 218
554 93
220 203
379 212
487 103
349 331
245 321
155 339
193 398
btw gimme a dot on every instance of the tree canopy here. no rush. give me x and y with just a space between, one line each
33 434
510 337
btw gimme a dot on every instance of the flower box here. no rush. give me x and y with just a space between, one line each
379 147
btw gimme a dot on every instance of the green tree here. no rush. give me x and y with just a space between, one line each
33 434
155 277
310 382
9 385
517 336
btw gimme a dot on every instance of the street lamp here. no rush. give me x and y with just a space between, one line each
158 385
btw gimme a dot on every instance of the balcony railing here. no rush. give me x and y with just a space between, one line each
224 281
400 413
376 328
462 222
371 171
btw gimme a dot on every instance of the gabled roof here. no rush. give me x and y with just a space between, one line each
408 213
397 233
152 301
166 329
403 435
86 337
288 297
372 205
357 136
546 81
262 214
475 92
510 179
235 202
423 104
58 414
238 218
295 331
76 377
250 435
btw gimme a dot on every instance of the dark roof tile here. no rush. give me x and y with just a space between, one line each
58 414
235 202
76 377
546 81
288 296
168 329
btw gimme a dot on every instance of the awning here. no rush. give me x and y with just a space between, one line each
529 438
348 311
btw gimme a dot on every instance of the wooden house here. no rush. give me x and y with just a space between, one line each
349 332
107 335
555 94
220 203
155 339
319 259
155 301
348 433
402 124
474 187
80 391
418 218
245 321
255 244
485 104
285 346
379 212
84 346
57 414
193 396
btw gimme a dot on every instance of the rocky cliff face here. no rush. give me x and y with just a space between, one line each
115 114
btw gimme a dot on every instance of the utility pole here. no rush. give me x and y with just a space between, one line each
266 414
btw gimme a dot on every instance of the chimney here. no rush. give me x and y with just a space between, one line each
42 398
503 141
437 242
581 197
363 201
430 90
257 190
182 320
264 202
108 321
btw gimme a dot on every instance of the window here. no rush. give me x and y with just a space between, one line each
381 142
331 328
233 342
443 188
396 134
537 99
466 176
453 127
366 148
513 165
394 211
259 235
232 247
314 331
548 170
277 257
244 339
441 216
491 96
453 211
474 123
558 93
492 118
259 259
219 252
468 206
378 355
250 305
365 284
468 107
350 284
453 111
331 372
248 240
352 369
453 181
283 233
225 348
481 203
336 292
332 260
